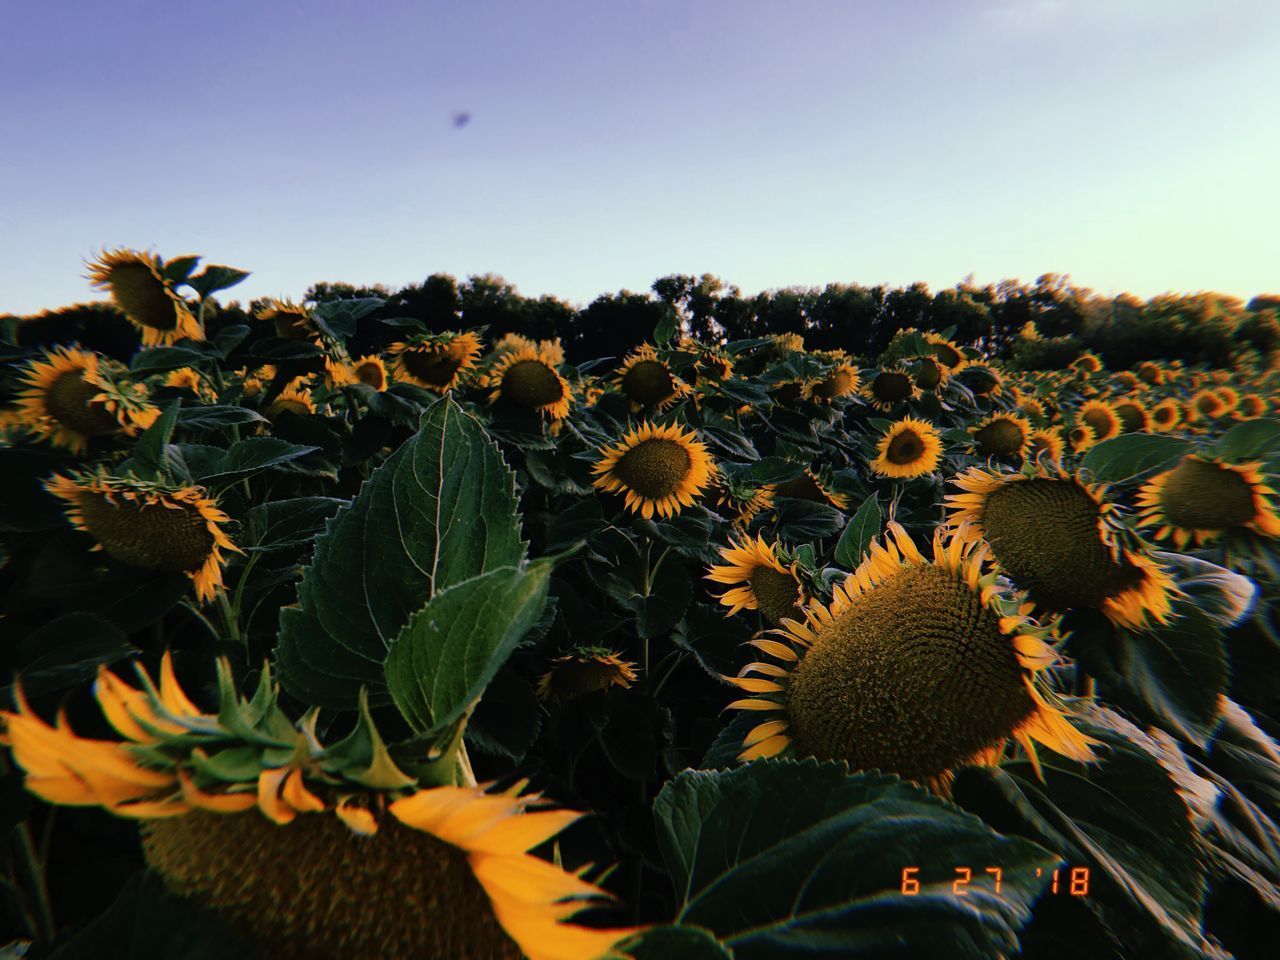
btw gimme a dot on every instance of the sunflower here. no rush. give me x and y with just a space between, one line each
648 382
527 377
589 670
1165 415
190 380
931 373
710 363
68 399
1230 398
659 469
1199 500
312 851
743 501
1128 381
1101 416
946 352
369 370
435 362
291 321
1032 408
840 382
909 448
1081 437
809 486
295 399
1002 435
916 667
141 291
982 380
759 579
888 388
1133 414
149 525
1250 407
1087 363
1045 444
1205 405
253 384
782 345
1057 537
1150 373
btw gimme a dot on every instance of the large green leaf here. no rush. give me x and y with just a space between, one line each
1251 440
786 858
438 512
863 526
450 649
1133 456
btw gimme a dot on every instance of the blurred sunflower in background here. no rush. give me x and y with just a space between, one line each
887 388
1003 435
1101 417
291 321
1201 499
435 362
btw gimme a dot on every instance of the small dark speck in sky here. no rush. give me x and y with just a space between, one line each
461 119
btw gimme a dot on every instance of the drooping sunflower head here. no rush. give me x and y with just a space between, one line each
1165 415
742 501
946 352
918 666
1046 444
140 289
310 850
527 378
1201 499
69 398
1101 417
710 363
149 524
585 671
291 321
759 580
658 469
435 362
1058 538
295 399
842 381
810 486
930 373
646 380
1003 435
983 380
888 388
909 448
185 378
1133 414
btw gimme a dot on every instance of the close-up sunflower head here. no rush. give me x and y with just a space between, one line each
138 286
70 398
658 469
918 666
887 388
528 378
1059 538
585 671
291 321
761 577
435 362
1004 436
647 381
150 525
909 448
1202 499
314 851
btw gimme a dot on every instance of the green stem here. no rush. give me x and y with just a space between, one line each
229 619
40 889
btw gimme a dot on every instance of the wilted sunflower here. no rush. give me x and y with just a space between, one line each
68 399
141 291
759 579
434 362
648 382
840 382
313 851
1165 415
527 377
149 525
909 448
1199 500
888 388
1046 444
1057 537
658 469
1101 416
1004 435
291 321
585 671
916 667
1133 414
809 486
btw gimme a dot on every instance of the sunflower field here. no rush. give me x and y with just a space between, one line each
332 634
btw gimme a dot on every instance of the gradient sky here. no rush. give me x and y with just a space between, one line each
1133 144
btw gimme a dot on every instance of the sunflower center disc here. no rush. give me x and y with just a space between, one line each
1000 438
532 384
776 594
648 383
433 365
929 375
1044 533
148 535
371 374
313 890
1206 496
1131 417
912 678
654 468
1100 421
68 401
891 387
143 296
905 449
946 354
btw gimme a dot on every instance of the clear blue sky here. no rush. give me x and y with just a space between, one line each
1133 144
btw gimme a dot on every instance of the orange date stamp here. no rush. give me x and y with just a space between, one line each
1072 881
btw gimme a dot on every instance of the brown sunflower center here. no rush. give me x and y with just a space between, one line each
372 374
1163 415
1100 420
912 678
1199 495
313 890
532 384
434 365
841 383
1044 532
776 593
654 468
154 536
1000 438
946 354
891 387
906 448
929 375
69 401
143 296
648 383
1132 417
